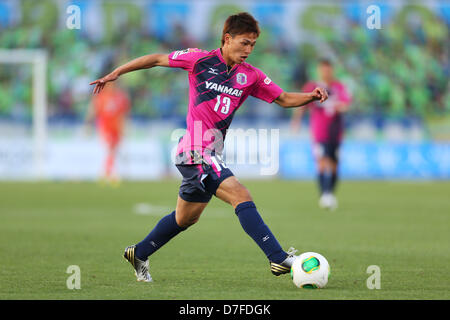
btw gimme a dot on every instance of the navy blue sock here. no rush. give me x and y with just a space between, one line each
255 227
165 229
321 179
327 181
334 179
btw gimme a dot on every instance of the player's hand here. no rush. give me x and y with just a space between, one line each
319 94
100 83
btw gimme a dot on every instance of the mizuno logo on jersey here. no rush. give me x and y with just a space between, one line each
213 71
223 89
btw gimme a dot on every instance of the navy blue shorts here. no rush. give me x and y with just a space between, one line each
200 181
329 150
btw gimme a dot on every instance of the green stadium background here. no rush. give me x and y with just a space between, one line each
398 125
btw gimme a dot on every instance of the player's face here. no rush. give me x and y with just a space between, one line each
326 72
240 46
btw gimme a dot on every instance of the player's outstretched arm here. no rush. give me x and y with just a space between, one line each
297 99
144 62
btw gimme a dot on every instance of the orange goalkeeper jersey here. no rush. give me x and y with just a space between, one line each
111 106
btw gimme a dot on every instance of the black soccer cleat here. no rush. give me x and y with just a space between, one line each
140 267
284 267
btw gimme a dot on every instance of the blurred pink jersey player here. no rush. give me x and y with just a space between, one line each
327 129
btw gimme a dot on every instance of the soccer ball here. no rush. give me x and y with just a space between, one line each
310 270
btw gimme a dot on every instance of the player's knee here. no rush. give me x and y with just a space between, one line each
186 223
240 195
233 192
325 164
187 220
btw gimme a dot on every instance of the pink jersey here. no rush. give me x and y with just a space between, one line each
326 122
215 94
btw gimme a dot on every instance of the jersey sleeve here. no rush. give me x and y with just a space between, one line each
265 89
185 59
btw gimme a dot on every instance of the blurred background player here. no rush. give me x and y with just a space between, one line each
326 125
109 109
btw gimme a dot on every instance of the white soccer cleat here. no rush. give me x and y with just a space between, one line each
140 267
328 201
333 202
324 201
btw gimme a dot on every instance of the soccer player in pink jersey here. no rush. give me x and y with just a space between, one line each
326 130
220 80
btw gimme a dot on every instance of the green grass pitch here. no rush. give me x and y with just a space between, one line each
402 227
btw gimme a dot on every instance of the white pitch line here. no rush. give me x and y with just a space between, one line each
147 209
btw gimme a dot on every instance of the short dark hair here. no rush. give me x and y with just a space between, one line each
240 23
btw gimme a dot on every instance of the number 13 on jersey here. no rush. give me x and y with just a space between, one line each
225 102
